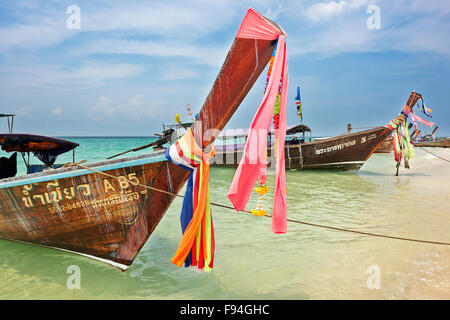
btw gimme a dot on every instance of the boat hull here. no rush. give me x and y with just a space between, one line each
104 215
386 146
107 214
345 152
442 143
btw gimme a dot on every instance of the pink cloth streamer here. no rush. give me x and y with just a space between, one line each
255 26
415 118
253 160
421 120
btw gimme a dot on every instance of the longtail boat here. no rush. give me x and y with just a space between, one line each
107 210
46 149
439 142
430 140
344 152
386 146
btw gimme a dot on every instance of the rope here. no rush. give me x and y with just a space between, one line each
369 233
433 154
269 216
363 128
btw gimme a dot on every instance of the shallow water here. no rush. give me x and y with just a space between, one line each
252 263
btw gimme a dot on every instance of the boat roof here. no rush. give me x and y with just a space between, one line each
73 171
227 133
23 142
177 125
298 128
44 148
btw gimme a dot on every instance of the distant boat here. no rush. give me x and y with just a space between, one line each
46 149
108 214
344 152
386 146
441 142
430 140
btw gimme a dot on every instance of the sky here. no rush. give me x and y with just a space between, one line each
122 68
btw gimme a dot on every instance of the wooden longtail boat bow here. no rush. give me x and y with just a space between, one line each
109 219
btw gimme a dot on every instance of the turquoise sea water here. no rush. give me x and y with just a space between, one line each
253 263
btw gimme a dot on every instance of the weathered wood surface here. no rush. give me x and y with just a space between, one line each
386 146
91 213
243 65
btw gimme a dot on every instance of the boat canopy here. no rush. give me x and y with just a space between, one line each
46 149
297 129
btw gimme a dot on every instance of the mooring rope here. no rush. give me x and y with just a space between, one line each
433 154
269 216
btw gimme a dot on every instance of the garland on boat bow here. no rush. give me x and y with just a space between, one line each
253 162
196 247
401 137
197 243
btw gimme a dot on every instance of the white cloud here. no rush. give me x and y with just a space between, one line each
343 29
181 18
178 73
200 53
137 100
274 14
324 10
100 72
135 108
57 111
23 112
356 4
43 24
28 37
53 76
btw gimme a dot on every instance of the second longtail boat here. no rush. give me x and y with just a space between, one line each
345 152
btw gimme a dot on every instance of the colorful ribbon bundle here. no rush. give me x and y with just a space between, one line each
426 111
299 104
407 111
401 138
253 162
269 70
190 112
196 247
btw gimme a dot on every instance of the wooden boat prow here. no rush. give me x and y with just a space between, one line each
386 146
108 214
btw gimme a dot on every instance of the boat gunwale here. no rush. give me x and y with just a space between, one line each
72 171
345 135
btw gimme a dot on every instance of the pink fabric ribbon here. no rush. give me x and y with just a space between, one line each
253 160
255 26
415 118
